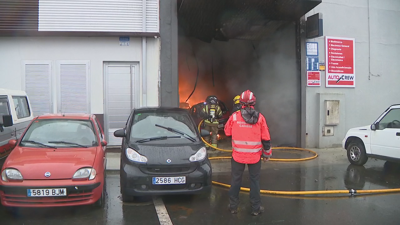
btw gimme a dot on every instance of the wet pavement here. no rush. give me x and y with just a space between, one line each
330 171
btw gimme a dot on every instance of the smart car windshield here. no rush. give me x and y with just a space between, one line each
148 125
60 133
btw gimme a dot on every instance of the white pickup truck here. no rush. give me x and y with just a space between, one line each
15 116
379 140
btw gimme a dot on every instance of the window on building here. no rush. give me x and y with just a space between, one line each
38 86
74 93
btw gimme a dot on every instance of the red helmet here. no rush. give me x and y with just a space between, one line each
248 98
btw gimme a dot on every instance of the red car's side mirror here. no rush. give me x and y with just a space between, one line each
103 143
12 142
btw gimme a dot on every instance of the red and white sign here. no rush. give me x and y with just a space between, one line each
313 78
340 62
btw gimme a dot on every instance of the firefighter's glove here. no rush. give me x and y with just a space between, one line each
266 154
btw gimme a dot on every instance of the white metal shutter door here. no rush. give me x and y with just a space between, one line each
119 99
74 97
99 16
38 88
152 18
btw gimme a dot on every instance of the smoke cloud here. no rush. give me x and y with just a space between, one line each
266 67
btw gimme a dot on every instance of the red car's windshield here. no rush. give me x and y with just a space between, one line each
60 133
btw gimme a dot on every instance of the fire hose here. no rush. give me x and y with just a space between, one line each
352 192
279 160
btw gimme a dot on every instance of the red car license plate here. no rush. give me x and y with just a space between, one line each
47 192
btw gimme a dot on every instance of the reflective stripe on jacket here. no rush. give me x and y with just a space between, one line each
247 138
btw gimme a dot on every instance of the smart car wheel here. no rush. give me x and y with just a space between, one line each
125 197
356 153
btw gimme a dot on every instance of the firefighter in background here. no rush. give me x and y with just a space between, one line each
251 143
211 113
236 104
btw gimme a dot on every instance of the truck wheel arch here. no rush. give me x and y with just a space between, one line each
353 139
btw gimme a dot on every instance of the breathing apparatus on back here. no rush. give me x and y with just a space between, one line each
211 104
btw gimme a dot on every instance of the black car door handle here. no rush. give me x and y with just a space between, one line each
398 134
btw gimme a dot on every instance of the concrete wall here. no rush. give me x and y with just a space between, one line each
14 50
169 95
153 71
375 26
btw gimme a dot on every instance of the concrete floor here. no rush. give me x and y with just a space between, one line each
330 171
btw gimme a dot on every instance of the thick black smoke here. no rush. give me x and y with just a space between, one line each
266 67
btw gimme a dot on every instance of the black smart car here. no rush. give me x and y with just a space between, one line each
162 153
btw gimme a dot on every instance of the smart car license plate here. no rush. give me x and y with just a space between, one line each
48 192
220 125
169 180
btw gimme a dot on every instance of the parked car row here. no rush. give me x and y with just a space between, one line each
59 159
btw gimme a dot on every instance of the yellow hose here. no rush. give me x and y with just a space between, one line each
325 192
351 191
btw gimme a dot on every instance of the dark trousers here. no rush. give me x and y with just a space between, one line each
236 182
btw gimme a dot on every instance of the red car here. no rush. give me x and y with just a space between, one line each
59 161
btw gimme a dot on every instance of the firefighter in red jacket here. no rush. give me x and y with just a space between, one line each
250 145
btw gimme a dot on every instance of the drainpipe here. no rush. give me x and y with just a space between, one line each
144 71
144 57
369 46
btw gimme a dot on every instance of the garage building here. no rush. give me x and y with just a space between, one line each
100 57
107 57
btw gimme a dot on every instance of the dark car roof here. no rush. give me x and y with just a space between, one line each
161 109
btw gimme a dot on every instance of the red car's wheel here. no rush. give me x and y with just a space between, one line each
102 200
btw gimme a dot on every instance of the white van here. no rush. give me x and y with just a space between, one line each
15 116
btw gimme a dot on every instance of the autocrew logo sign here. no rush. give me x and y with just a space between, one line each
340 61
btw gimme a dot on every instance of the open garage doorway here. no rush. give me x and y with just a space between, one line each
227 47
